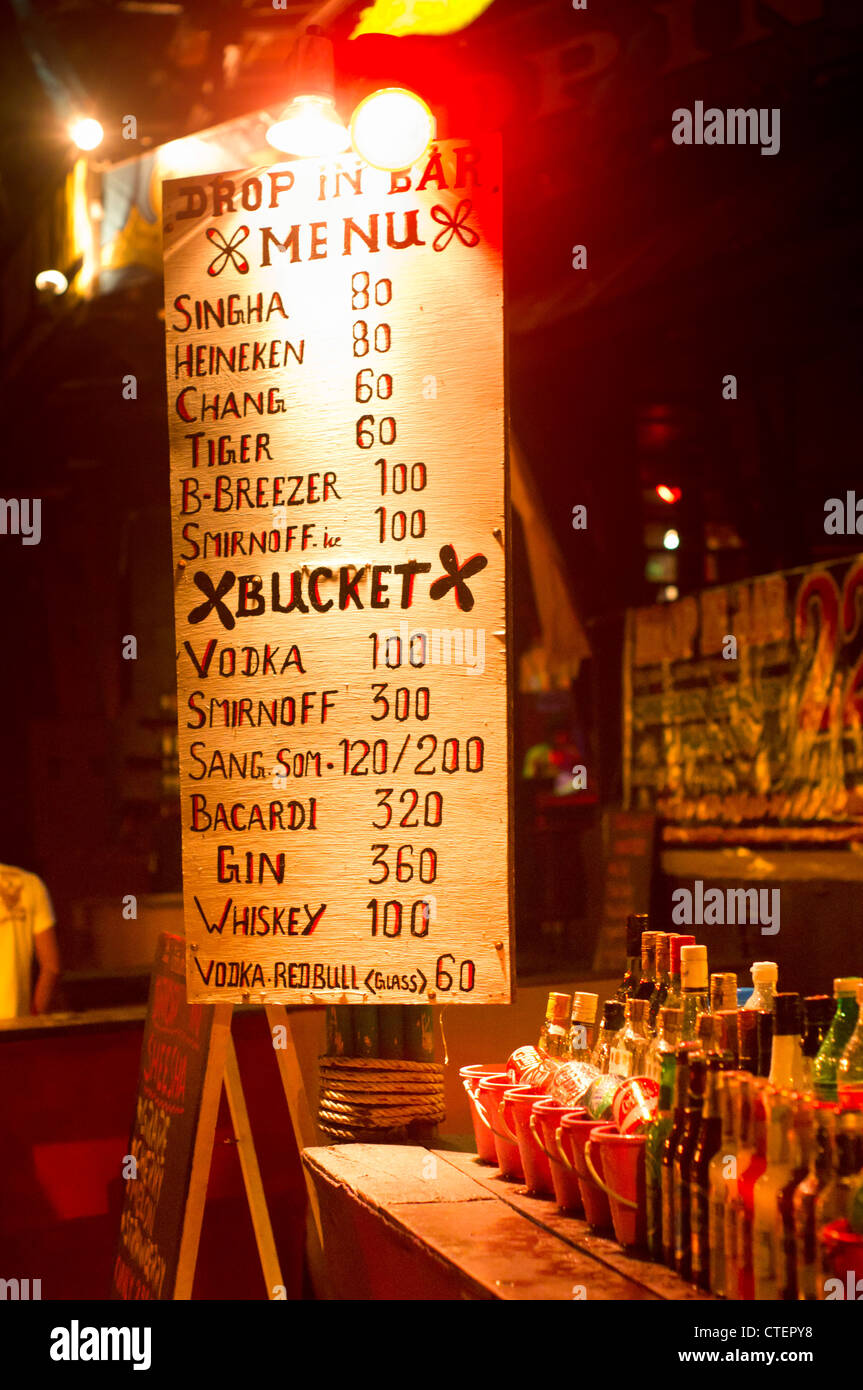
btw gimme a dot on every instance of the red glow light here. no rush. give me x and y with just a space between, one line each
668 494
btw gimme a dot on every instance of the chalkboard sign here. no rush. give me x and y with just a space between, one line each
170 1084
334 339
629 839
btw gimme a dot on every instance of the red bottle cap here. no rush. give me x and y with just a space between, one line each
677 944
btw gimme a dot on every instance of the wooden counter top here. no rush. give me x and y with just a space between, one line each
405 1222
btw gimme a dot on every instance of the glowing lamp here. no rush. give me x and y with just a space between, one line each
310 124
86 132
671 539
392 128
668 494
51 282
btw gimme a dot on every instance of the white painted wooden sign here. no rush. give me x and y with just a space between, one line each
336 405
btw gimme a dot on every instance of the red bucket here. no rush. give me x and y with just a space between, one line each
545 1120
616 1164
470 1078
842 1258
516 1108
489 1097
572 1136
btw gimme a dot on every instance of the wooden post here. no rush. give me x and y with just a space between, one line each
251 1174
220 1038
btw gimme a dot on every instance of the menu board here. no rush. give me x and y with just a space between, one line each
336 405
173 1063
743 709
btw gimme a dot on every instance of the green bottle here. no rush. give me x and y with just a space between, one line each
843 1025
657 1135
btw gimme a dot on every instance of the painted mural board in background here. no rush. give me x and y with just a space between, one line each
761 737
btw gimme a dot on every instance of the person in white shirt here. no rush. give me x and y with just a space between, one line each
26 927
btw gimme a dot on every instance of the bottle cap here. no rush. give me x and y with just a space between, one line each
648 945
612 1015
677 944
723 991
636 923
671 1022
663 952
557 1010
693 967
765 972
584 1007
817 1010
787 1014
846 984
638 1010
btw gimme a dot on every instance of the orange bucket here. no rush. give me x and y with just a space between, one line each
616 1164
470 1078
571 1137
516 1108
489 1098
545 1120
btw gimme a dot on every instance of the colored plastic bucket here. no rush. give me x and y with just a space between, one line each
516 1107
842 1256
489 1098
545 1120
622 1179
470 1078
572 1136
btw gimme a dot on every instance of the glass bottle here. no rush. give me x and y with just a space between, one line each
818 1012
723 991
805 1200
553 1034
707 1033
742 1152
663 976
728 1035
849 1073
682 1166
832 1201
645 986
707 1145
580 1039
656 1137
765 973
745 1192
747 1041
767 1232
693 980
678 1111
786 1055
801 1138
674 997
840 1030
630 1050
610 1026
764 1037
722 1164
666 1040
636 924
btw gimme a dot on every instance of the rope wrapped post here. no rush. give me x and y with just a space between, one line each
367 1099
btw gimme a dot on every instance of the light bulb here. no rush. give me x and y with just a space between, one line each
671 540
86 132
392 128
51 282
309 126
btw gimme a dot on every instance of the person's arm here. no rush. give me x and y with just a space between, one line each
48 959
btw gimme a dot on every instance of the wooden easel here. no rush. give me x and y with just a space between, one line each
222 1067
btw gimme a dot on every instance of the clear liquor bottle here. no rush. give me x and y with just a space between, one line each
554 1031
630 1050
582 1018
693 980
611 1027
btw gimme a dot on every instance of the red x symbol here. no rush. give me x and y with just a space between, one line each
228 251
454 224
